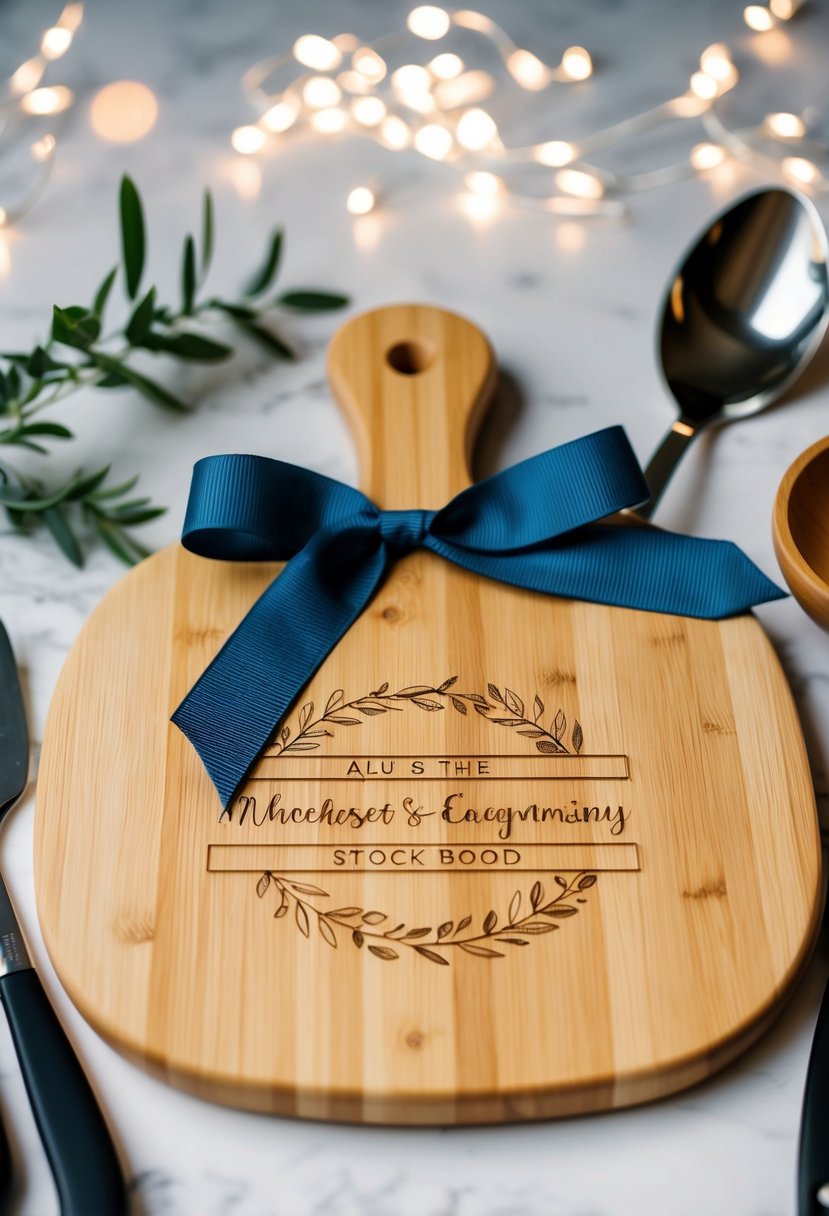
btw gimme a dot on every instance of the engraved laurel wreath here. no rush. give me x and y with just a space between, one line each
530 913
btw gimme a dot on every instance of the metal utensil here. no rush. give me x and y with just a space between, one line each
76 1139
743 315
813 1153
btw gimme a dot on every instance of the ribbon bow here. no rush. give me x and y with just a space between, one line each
525 527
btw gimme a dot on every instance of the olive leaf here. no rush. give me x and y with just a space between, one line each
132 235
207 232
481 951
432 955
188 276
311 301
265 275
302 920
384 952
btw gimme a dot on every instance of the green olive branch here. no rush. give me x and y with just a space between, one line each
78 354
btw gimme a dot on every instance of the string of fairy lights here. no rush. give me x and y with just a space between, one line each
440 109
25 100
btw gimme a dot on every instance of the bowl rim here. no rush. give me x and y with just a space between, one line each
797 571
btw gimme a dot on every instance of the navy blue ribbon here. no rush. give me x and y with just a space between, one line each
525 527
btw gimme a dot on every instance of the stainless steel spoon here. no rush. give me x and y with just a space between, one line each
742 316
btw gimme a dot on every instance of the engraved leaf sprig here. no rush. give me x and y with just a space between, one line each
502 707
80 351
542 912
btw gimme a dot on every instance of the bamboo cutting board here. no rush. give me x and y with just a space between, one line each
508 857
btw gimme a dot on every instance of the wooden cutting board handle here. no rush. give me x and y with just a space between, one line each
414 382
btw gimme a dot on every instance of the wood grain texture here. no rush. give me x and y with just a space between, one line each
635 893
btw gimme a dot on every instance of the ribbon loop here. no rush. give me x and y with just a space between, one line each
533 526
404 531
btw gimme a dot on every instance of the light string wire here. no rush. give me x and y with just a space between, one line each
344 85
25 99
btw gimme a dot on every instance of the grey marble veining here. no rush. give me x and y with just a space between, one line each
571 316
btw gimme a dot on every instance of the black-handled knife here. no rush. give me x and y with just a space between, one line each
813 1158
75 1136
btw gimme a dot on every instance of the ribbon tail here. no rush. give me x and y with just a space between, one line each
230 714
641 568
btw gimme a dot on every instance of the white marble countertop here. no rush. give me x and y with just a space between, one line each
570 309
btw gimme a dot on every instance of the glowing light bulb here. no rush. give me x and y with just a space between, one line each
707 156
428 21
446 66
329 121
579 183
475 130
556 152
433 141
464 90
704 86
421 103
72 16
48 100
715 61
758 18
354 82
482 183
55 42
360 201
27 76
784 9
527 70
368 111
576 63
320 92
395 133
317 53
279 117
123 112
411 78
248 140
800 170
786 126
43 148
479 208
369 64
728 79
346 43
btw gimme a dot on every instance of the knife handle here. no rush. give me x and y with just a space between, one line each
6 1168
813 1158
78 1145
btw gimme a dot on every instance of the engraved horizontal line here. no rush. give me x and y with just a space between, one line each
498 766
535 858
410 777
554 756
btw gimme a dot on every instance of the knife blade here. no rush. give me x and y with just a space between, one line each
77 1141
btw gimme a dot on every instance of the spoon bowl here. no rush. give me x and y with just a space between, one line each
800 530
744 313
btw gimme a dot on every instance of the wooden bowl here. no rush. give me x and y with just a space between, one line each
800 530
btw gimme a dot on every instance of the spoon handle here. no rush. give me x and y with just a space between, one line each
664 461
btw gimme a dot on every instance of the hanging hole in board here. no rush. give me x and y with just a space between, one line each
410 358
